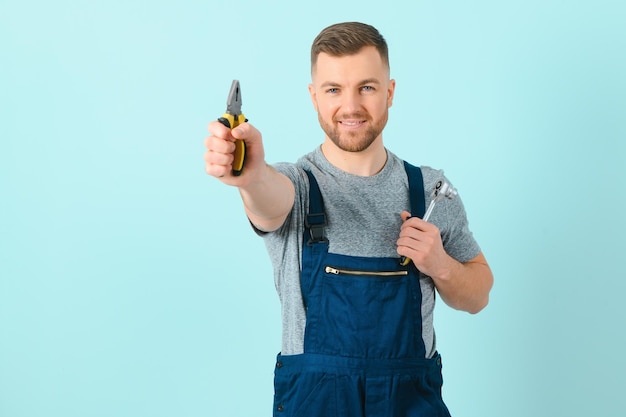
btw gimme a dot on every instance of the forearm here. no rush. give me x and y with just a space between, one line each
268 199
465 286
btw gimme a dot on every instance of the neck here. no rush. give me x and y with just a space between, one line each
365 163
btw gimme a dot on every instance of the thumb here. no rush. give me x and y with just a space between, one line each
405 215
246 132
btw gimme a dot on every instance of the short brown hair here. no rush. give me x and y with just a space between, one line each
348 38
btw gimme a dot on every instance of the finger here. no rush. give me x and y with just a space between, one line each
216 158
410 223
410 237
219 130
418 232
413 248
417 241
218 171
219 145
405 215
410 248
419 224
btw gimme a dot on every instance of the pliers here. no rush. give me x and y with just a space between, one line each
233 118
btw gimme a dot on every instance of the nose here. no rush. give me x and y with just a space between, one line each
351 102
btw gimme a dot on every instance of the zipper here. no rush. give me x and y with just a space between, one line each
340 271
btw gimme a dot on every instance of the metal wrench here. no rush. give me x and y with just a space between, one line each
442 189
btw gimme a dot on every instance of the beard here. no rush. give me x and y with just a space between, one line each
353 141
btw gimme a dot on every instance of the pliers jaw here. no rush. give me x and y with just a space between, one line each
233 105
233 116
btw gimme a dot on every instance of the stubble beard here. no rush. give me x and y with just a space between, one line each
354 141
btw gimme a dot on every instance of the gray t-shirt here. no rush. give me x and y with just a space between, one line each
363 215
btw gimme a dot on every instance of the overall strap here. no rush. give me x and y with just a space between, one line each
315 221
416 190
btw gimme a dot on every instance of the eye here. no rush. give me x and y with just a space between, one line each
367 88
332 90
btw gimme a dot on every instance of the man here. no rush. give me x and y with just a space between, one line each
358 335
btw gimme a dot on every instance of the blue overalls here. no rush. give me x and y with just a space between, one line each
364 355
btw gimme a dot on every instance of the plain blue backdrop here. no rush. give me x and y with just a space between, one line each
131 284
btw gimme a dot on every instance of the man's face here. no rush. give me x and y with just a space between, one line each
352 95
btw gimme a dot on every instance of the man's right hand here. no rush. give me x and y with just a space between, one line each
267 195
220 146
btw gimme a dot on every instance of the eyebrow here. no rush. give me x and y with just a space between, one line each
363 82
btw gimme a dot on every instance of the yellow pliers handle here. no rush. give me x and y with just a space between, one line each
232 121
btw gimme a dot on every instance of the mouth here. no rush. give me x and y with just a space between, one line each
351 123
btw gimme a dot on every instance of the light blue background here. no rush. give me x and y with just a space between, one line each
131 284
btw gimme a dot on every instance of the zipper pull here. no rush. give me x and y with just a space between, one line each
331 270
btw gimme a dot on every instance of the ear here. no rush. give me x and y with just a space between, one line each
391 88
313 95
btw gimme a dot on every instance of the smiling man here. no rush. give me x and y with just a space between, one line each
358 337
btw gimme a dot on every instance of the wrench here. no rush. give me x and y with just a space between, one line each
442 189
